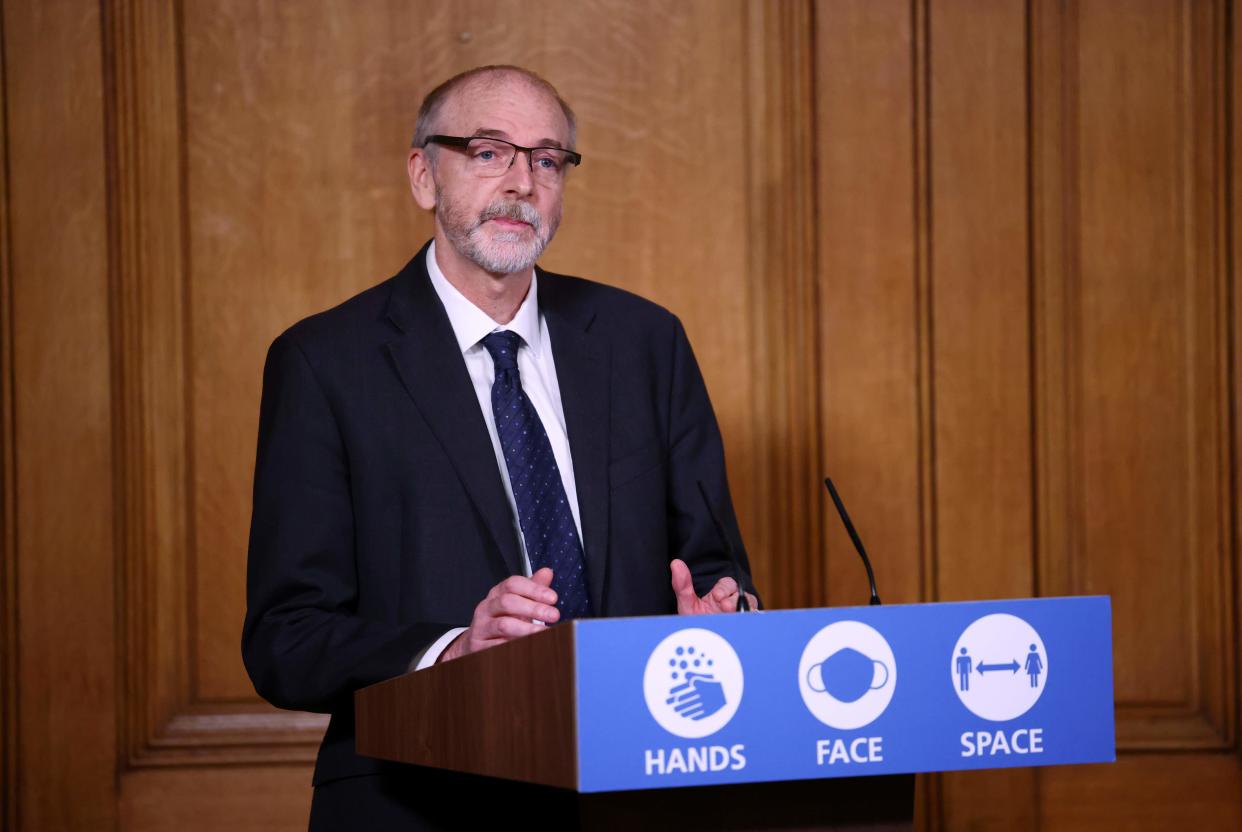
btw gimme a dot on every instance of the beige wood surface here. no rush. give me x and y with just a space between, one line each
974 260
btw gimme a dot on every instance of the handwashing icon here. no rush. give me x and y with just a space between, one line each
847 675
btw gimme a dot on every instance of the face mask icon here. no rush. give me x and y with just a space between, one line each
846 675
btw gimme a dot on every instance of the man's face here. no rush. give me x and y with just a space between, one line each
501 224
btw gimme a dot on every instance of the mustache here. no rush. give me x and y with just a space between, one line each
520 211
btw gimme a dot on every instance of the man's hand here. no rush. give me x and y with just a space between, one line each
722 598
512 609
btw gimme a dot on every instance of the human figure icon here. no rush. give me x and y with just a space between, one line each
963 671
1034 666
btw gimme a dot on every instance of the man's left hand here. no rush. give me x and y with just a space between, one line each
722 597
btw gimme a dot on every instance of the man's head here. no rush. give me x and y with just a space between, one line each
499 217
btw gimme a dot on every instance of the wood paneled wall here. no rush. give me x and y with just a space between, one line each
975 260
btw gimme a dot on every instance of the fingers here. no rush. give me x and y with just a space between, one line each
724 596
506 628
680 691
676 693
487 630
517 606
724 590
683 587
689 708
538 587
528 599
523 606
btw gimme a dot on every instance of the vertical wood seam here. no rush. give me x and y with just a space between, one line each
1220 223
187 346
10 704
933 801
1029 44
1189 139
925 394
1228 252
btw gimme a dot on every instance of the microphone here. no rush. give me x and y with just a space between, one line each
743 605
858 544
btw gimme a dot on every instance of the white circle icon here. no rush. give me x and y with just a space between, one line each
847 675
693 683
999 667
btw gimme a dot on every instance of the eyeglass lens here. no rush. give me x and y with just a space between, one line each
492 157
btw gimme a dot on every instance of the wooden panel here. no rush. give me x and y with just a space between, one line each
62 428
164 721
977 224
1134 415
868 272
10 762
785 539
241 799
1144 793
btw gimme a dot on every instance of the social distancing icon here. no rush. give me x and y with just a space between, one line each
999 667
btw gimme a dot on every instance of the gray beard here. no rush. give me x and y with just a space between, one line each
504 253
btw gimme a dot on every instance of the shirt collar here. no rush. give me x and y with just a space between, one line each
470 323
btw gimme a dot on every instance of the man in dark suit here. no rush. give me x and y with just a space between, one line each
470 451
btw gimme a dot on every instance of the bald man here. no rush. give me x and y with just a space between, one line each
471 451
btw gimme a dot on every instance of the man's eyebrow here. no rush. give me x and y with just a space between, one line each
490 133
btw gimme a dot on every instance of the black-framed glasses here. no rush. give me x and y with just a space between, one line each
493 157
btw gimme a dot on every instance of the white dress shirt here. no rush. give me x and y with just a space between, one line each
538 372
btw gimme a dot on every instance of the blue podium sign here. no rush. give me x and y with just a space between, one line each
852 691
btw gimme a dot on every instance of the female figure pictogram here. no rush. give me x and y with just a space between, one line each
1034 666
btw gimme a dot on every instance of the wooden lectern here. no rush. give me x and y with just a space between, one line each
511 712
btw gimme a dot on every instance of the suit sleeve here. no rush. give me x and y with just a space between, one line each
696 452
303 643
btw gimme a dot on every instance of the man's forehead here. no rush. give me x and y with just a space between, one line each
504 106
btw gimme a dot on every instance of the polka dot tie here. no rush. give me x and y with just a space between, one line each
543 510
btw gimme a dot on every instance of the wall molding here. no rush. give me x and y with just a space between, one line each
161 722
10 763
784 298
1206 719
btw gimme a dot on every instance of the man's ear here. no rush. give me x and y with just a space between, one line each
422 184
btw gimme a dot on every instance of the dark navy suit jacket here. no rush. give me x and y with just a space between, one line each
380 519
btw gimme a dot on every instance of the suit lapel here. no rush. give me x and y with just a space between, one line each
582 372
434 373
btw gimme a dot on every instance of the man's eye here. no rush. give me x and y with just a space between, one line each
485 155
548 162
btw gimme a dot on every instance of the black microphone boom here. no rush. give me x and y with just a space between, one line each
858 544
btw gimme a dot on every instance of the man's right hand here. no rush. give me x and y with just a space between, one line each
512 609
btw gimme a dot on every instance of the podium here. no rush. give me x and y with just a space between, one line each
807 719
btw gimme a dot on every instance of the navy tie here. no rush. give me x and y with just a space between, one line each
543 510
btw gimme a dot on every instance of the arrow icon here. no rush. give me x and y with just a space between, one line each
987 668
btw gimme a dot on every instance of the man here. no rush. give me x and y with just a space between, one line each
471 451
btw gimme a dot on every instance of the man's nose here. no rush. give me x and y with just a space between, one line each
519 178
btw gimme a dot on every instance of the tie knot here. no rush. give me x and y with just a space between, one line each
503 346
